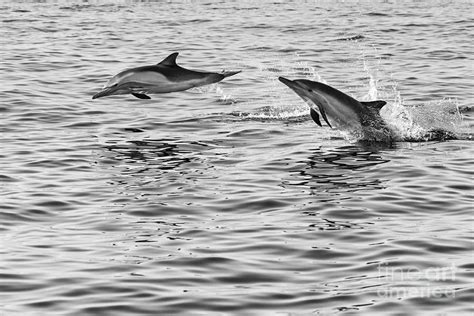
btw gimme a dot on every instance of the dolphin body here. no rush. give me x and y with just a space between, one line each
340 110
163 77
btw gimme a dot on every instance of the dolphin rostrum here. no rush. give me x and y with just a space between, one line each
163 77
338 109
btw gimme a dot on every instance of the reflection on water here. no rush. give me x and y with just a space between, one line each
343 169
159 154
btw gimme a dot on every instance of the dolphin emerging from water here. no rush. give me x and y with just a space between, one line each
337 108
163 77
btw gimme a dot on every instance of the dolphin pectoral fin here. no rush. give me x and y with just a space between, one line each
323 114
374 104
169 61
140 95
315 116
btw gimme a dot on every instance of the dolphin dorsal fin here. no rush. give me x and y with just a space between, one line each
374 104
169 61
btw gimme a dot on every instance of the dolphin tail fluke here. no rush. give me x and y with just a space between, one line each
229 73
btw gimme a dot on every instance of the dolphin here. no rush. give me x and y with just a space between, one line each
339 109
164 77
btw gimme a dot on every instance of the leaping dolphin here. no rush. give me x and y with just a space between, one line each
163 77
337 108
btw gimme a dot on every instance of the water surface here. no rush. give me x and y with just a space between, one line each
228 199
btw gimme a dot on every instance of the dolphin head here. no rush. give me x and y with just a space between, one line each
107 90
116 85
306 89
336 107
322 99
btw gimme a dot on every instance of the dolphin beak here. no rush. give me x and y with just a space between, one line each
295 86
288 82
104 92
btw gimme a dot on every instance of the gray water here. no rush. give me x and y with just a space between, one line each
229 199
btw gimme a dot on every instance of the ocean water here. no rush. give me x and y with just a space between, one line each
229 199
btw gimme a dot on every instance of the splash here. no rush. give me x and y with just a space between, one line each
432 120
274 113
218 91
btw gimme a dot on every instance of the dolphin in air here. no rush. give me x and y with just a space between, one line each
163 77
337 108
